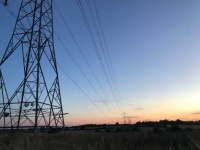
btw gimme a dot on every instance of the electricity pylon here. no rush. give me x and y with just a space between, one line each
37 99
124 117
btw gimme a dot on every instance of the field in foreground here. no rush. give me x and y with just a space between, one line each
91 140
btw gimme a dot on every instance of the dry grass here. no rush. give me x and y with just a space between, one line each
90 140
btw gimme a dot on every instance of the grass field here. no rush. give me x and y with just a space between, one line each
91 140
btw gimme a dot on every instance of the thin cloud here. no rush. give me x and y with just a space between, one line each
196 113
139 108
105 102
132 117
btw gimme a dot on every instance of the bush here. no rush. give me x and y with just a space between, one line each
174 128
157 130
135 128
119 130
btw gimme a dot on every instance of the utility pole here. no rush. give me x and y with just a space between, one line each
36 102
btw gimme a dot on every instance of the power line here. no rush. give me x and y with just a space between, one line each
96 48
106 47
76 84
78 66
9 10
80 50
108 63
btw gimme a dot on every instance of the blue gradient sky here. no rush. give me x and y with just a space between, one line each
154 48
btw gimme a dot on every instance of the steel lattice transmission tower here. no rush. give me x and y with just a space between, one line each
37 99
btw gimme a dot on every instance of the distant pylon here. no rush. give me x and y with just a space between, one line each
37 100
124 117
129 121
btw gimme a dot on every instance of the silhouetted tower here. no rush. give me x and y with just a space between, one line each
37 100
124 117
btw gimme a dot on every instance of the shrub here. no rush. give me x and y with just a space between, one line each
174 128
157 130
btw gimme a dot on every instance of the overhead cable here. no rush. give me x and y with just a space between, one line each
96 49
106 57
78 66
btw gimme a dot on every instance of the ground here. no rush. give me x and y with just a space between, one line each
143 138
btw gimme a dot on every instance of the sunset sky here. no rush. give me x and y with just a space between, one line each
154 46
